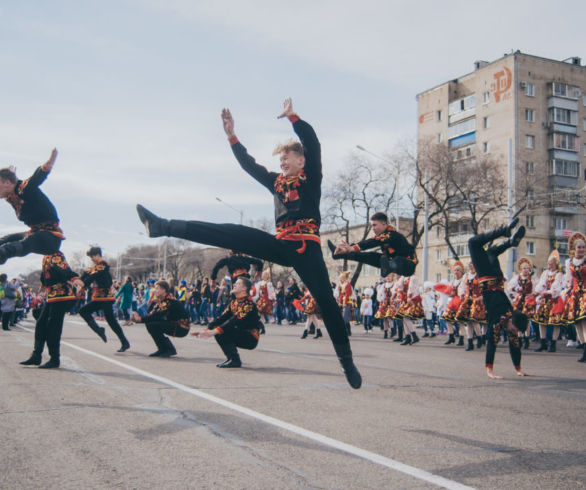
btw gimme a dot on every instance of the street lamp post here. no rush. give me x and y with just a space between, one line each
233 208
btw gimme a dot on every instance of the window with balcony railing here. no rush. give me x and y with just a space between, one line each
563 167
562 116
563 141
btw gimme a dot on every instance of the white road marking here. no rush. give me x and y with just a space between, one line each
300 431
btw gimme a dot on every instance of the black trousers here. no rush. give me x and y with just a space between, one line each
7 317
159 329
21 244
400 265
49 327
309 265
498 307
231 339
107 307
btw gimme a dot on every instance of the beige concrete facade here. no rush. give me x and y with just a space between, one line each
533 111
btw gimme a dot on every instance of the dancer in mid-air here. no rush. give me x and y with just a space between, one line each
297 193
34 209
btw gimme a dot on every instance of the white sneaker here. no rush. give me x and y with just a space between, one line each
571 343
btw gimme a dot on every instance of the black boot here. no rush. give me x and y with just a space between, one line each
345 357
125 346
543 346
518 236
33 360
318 334
479 342
233 362
304 335
169 348
101 331
349 329
386 336
11 249
460 341
470 345
50 364
525 343
414 337
551 346
311 329
154 225
583 358
407 340
450 340
393 332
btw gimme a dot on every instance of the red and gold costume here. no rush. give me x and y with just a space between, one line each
550 305
523 289
264 302
575 279
411 307
452 309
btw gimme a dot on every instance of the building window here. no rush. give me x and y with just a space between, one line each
559 89
486 98
438 277
564 116
584 100
529 141
464 127
530 168
486 147
530 194
438 255
530 221
530 115
563 167
530 248
584 124
564 141
486 122
439 115
530 90
440 138
585 149
560 224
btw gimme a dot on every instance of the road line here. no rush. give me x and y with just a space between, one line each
300 431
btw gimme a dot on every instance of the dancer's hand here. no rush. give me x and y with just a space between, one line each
228 122
491 375
48 165
344 247
287 109
204 334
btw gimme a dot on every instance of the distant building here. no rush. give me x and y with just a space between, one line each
533 111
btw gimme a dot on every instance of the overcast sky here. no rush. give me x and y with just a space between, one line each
130 92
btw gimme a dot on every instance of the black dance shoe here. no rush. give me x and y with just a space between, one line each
50 364
33 360
512 226
230 363
124 347
102 334
304 335
318 334
154 225
518 236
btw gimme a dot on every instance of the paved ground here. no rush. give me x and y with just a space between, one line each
426 416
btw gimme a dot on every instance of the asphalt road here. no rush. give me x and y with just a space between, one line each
426 416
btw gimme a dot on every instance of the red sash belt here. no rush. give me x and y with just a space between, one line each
299 231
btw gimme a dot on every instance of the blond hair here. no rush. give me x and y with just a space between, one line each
291 145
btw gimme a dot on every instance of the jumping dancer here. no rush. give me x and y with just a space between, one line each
34 209
102 298
397 256
59 282
297 192
166 317
498 307
238 326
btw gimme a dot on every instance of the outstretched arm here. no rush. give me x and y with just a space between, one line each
48 165
248 163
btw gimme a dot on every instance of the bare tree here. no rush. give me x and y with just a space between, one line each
362 187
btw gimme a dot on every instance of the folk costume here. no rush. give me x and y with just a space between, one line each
575 282
550 305
471 310
56 277
523 290
34 209
345 295
237 326
492 282
456 292
397 254
297 243
167 317
411 308
102 298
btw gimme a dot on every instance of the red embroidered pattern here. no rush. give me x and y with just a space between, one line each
287 187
